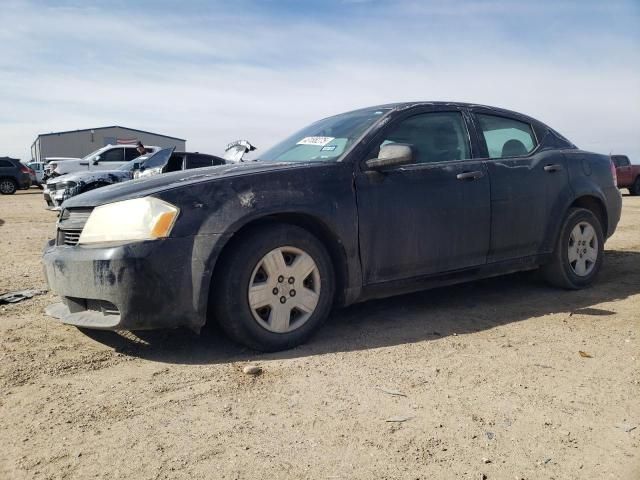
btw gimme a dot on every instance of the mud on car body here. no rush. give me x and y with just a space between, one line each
365 204
61 188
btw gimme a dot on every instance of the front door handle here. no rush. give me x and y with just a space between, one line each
552 168
470 175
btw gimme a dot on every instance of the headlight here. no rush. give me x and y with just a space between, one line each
145 218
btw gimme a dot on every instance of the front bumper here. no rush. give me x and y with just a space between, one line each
136 286
52 200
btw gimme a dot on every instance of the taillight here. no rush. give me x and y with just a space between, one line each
25 169
614 174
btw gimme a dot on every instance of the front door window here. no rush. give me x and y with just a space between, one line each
433 137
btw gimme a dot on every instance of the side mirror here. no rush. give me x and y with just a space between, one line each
96 159
136 166
391 155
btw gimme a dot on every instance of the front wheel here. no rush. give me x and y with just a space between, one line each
274 288
635 188
578 254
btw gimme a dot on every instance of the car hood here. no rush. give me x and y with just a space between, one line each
143 187
110 176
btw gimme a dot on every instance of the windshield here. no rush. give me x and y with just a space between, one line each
158 159
325 140
94 153
127 167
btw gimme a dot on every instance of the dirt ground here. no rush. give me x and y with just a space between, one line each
491 380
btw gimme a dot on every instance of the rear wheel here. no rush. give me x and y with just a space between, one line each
578 254
8 186
274 288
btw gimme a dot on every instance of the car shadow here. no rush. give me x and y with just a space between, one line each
417 317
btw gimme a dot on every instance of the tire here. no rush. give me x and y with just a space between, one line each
573 265
8 186
287 308
635 188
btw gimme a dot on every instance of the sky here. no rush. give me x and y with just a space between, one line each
216 71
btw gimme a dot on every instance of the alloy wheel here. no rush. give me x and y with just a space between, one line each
7 186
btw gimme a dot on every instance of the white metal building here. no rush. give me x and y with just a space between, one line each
78 143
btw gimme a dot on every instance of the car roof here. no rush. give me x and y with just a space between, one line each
399 106
11 159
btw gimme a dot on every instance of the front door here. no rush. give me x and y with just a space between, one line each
428 217
109 159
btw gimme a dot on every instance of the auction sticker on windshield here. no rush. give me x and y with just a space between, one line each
318 141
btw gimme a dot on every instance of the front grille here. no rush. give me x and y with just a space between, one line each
70 225
68 237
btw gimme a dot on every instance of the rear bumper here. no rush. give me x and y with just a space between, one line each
24 181
136 286
614 208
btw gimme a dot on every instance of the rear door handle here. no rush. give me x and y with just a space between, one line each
469 175
552 168
84 163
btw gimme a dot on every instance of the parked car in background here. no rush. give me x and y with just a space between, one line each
37 178
106 158
13 175
50 162
365 204
166 160
628 174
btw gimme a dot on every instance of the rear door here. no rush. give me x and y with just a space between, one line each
130 153
7 168
428 217
528 185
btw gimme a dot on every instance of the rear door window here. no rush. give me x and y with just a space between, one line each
506 137
130 154
198 161
620 161
5 164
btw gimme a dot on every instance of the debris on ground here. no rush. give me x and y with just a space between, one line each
392 392
485 460
490 435
398 419
252 370
584 354
626 427
15 297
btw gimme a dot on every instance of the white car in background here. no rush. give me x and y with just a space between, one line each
37 177
106 158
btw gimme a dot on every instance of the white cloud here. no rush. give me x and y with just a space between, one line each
247 76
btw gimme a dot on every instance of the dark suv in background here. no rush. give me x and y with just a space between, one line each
13 175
